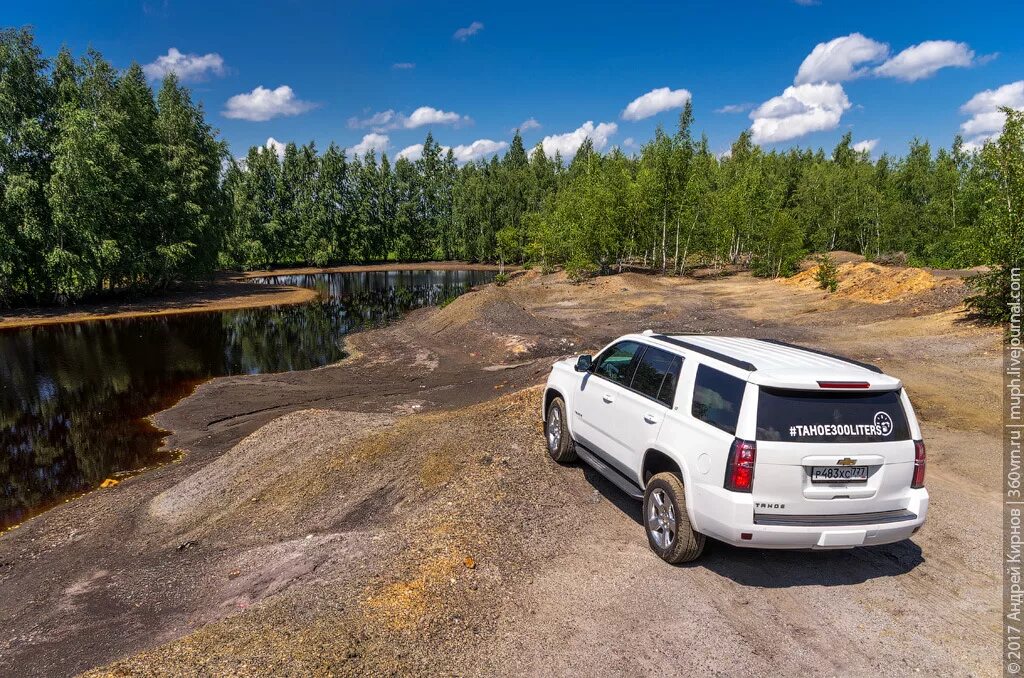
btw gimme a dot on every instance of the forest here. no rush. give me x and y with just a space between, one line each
109 186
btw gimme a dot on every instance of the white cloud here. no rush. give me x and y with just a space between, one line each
528 124
799 110
463 33
865 146
276 146
403 66
568 143
840 59
188 67
734 108
986 119
412 153
380 119
924 59
424 115
654 102
630 145
481 148
371 142
265 104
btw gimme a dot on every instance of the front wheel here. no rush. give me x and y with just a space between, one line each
556 433
667 522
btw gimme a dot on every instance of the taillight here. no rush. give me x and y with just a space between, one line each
739 472
919 463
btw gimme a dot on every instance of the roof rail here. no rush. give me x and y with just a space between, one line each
866 366
728 359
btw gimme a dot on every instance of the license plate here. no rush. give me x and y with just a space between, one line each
839 474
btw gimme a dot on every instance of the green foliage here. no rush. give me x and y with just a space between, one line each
579 269
1002 219
782 248
501 279
104 186
827 275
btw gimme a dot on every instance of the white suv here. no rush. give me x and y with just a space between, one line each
752 442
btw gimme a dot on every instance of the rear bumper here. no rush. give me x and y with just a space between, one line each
731 518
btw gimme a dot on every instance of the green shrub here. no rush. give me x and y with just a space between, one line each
501 279
827 274
579 270
994 301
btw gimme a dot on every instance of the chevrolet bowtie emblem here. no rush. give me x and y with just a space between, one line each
846 462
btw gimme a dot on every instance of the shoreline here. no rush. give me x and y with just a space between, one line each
216 296
366 268
229 291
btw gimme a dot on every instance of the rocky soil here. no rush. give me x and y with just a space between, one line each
396 514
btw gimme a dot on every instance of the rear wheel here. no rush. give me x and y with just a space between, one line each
556 433
667 522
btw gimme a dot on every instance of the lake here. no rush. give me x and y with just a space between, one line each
74 397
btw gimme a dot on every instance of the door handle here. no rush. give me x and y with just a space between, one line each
650 419
607 397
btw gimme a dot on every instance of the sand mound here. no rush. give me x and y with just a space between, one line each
255 465
492 311
873 283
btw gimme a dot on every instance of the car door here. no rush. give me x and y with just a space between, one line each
641 408
595 415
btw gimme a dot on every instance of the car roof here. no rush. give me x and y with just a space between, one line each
778 364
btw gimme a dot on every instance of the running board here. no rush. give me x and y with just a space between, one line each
616 478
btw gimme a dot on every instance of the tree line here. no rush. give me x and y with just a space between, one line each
108 186
104 185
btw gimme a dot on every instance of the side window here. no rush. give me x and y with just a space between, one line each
667 394
717 397
617 363
656 375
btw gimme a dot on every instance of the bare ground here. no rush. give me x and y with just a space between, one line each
396 513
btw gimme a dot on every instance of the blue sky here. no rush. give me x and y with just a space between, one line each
328 70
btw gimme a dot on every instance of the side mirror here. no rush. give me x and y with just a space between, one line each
584 363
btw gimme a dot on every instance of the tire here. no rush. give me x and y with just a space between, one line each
667 523
556 433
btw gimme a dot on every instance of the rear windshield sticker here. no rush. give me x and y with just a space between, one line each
882 426
883 422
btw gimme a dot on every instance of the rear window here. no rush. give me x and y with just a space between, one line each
717 397
817 417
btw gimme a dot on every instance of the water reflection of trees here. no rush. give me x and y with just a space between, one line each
73 398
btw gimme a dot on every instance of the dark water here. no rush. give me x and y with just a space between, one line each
73 397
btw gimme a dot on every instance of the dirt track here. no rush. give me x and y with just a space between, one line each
397 513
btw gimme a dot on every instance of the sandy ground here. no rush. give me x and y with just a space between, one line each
397 514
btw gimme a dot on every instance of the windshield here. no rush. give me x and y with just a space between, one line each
842 417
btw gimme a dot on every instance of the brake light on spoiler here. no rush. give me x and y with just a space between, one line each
843 384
